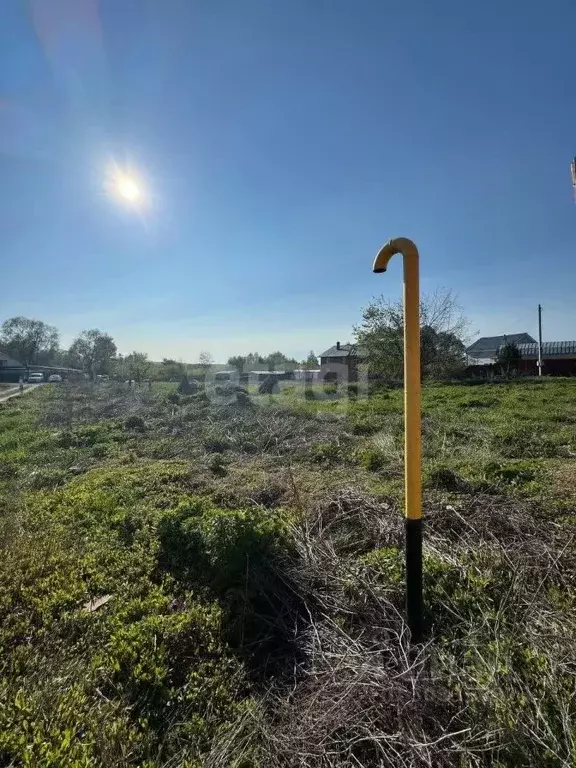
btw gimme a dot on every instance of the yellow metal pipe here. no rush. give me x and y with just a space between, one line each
412 387
412 439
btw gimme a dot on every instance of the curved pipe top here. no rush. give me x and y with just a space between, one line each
398 245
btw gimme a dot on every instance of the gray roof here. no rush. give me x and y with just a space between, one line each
549 349
488 346
9 362
267 373
346 350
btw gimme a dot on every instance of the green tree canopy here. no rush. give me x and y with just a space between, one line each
508 357
29 341
311 361
238 362
170 369
137 365
277 360
442 331
93 351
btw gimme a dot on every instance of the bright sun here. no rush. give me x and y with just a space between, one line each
126 185
128 188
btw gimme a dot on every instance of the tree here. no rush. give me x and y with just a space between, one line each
276 360
138 366
311 361
238 362
29 341
442 331
206 361
93 351
170 369
253 361
508 357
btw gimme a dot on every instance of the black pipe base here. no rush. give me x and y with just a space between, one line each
414 599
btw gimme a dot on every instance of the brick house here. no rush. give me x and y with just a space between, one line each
350 355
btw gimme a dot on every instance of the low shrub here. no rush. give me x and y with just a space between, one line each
324 453
385 564
208 545
8 469
100 451
371 458
365 424
47 478
353 391
516 473
158 658
445 478
216 440
135 424
217 465
232 553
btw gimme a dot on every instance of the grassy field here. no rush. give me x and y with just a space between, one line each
186 582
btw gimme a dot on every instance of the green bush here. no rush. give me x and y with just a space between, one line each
217 465
204 544
59 721
517 442
459 594
90 435
446 479
386 564
65 439
159 658
8 469
365 424
216 440
371 458
200 398
135 423
231 553
324 453
47 478
353 391
100 451
515 473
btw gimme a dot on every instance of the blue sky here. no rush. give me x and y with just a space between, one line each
281 143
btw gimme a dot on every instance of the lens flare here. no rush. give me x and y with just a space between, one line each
128 188
126 185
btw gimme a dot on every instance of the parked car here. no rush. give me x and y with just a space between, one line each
54 377
35 378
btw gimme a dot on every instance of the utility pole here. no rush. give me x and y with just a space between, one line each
539 340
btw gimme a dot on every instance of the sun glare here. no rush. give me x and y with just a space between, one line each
128 189
126 186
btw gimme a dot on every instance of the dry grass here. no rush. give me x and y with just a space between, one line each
494 685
